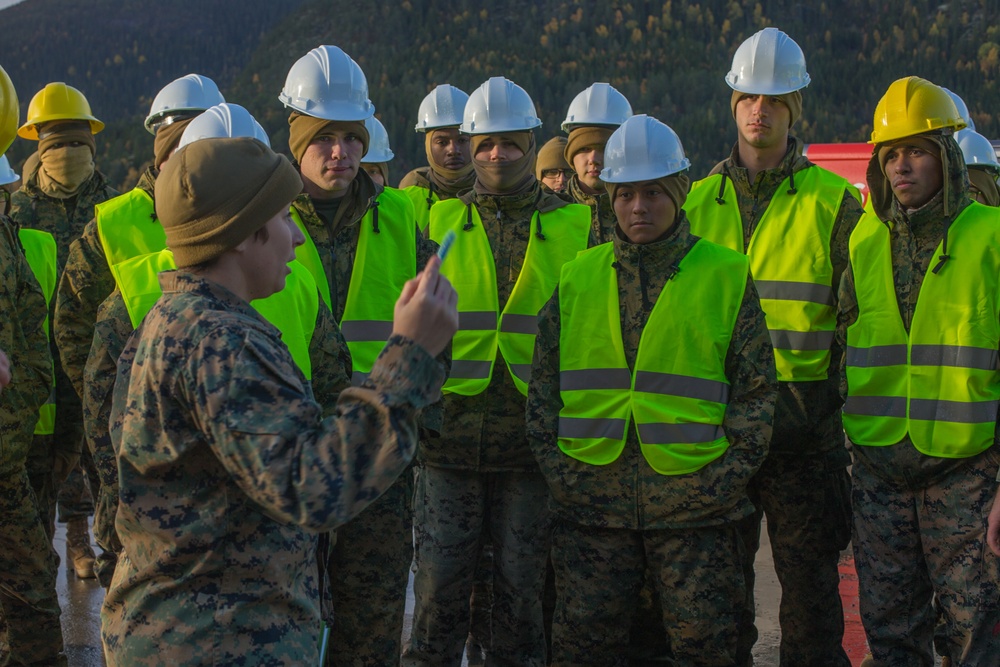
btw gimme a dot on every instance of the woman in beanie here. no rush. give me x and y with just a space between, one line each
682 353
227 471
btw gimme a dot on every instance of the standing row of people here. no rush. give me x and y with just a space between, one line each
675 359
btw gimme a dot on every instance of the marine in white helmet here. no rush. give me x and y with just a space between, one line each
774 205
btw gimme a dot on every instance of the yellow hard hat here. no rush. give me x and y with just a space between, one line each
57 101
914 106
8 111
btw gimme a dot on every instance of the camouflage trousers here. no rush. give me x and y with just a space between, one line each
369 569
807 503
912 543
28 567
451 509
697 572
40 464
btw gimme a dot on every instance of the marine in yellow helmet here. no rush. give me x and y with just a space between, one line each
919 320
62 185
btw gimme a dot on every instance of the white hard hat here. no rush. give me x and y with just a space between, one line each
768 63
499 105
7 175
378 142
442 107
326 83
600 104
642 149
192 93
963 109
223 120
977 149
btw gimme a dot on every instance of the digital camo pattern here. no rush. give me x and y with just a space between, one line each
238 436
602 216
28 602
328 354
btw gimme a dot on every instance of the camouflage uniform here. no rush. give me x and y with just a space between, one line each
479 481
602 216
65 220
29 608
920 521
612 522
423 193
370 562
238 436
331 373
803 486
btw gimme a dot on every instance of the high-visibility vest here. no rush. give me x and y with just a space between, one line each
383 262
127 227
938 384
292 311
422 200
41 252
472 272
678 391
790 262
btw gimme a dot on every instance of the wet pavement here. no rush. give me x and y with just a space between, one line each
81 605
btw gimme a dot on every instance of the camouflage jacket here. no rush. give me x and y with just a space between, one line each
627 493
337 244
22 338
328 354
485 432
85 283
227 473
913 238
807 414
63 218
602 215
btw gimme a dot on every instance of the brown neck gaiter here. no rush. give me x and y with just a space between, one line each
448 182
986 183
506 178
64 170
166 140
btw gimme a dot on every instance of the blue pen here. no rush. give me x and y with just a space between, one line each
446 244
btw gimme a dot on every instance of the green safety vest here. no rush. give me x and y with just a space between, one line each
292 311
939 384
678 392
127 227
418 196
472 272
383 262
790 262
41 252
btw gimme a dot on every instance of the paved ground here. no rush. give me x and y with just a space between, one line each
81 602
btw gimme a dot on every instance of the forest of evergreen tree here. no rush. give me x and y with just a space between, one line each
669 58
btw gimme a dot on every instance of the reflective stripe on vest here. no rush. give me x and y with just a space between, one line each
41 252
127 227
792 270
939 384
679 390
292 311
383 262
418 196
472 271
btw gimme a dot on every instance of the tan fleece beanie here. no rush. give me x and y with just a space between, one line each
582 137
215 193
792 100
302 129
676 186
550 156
